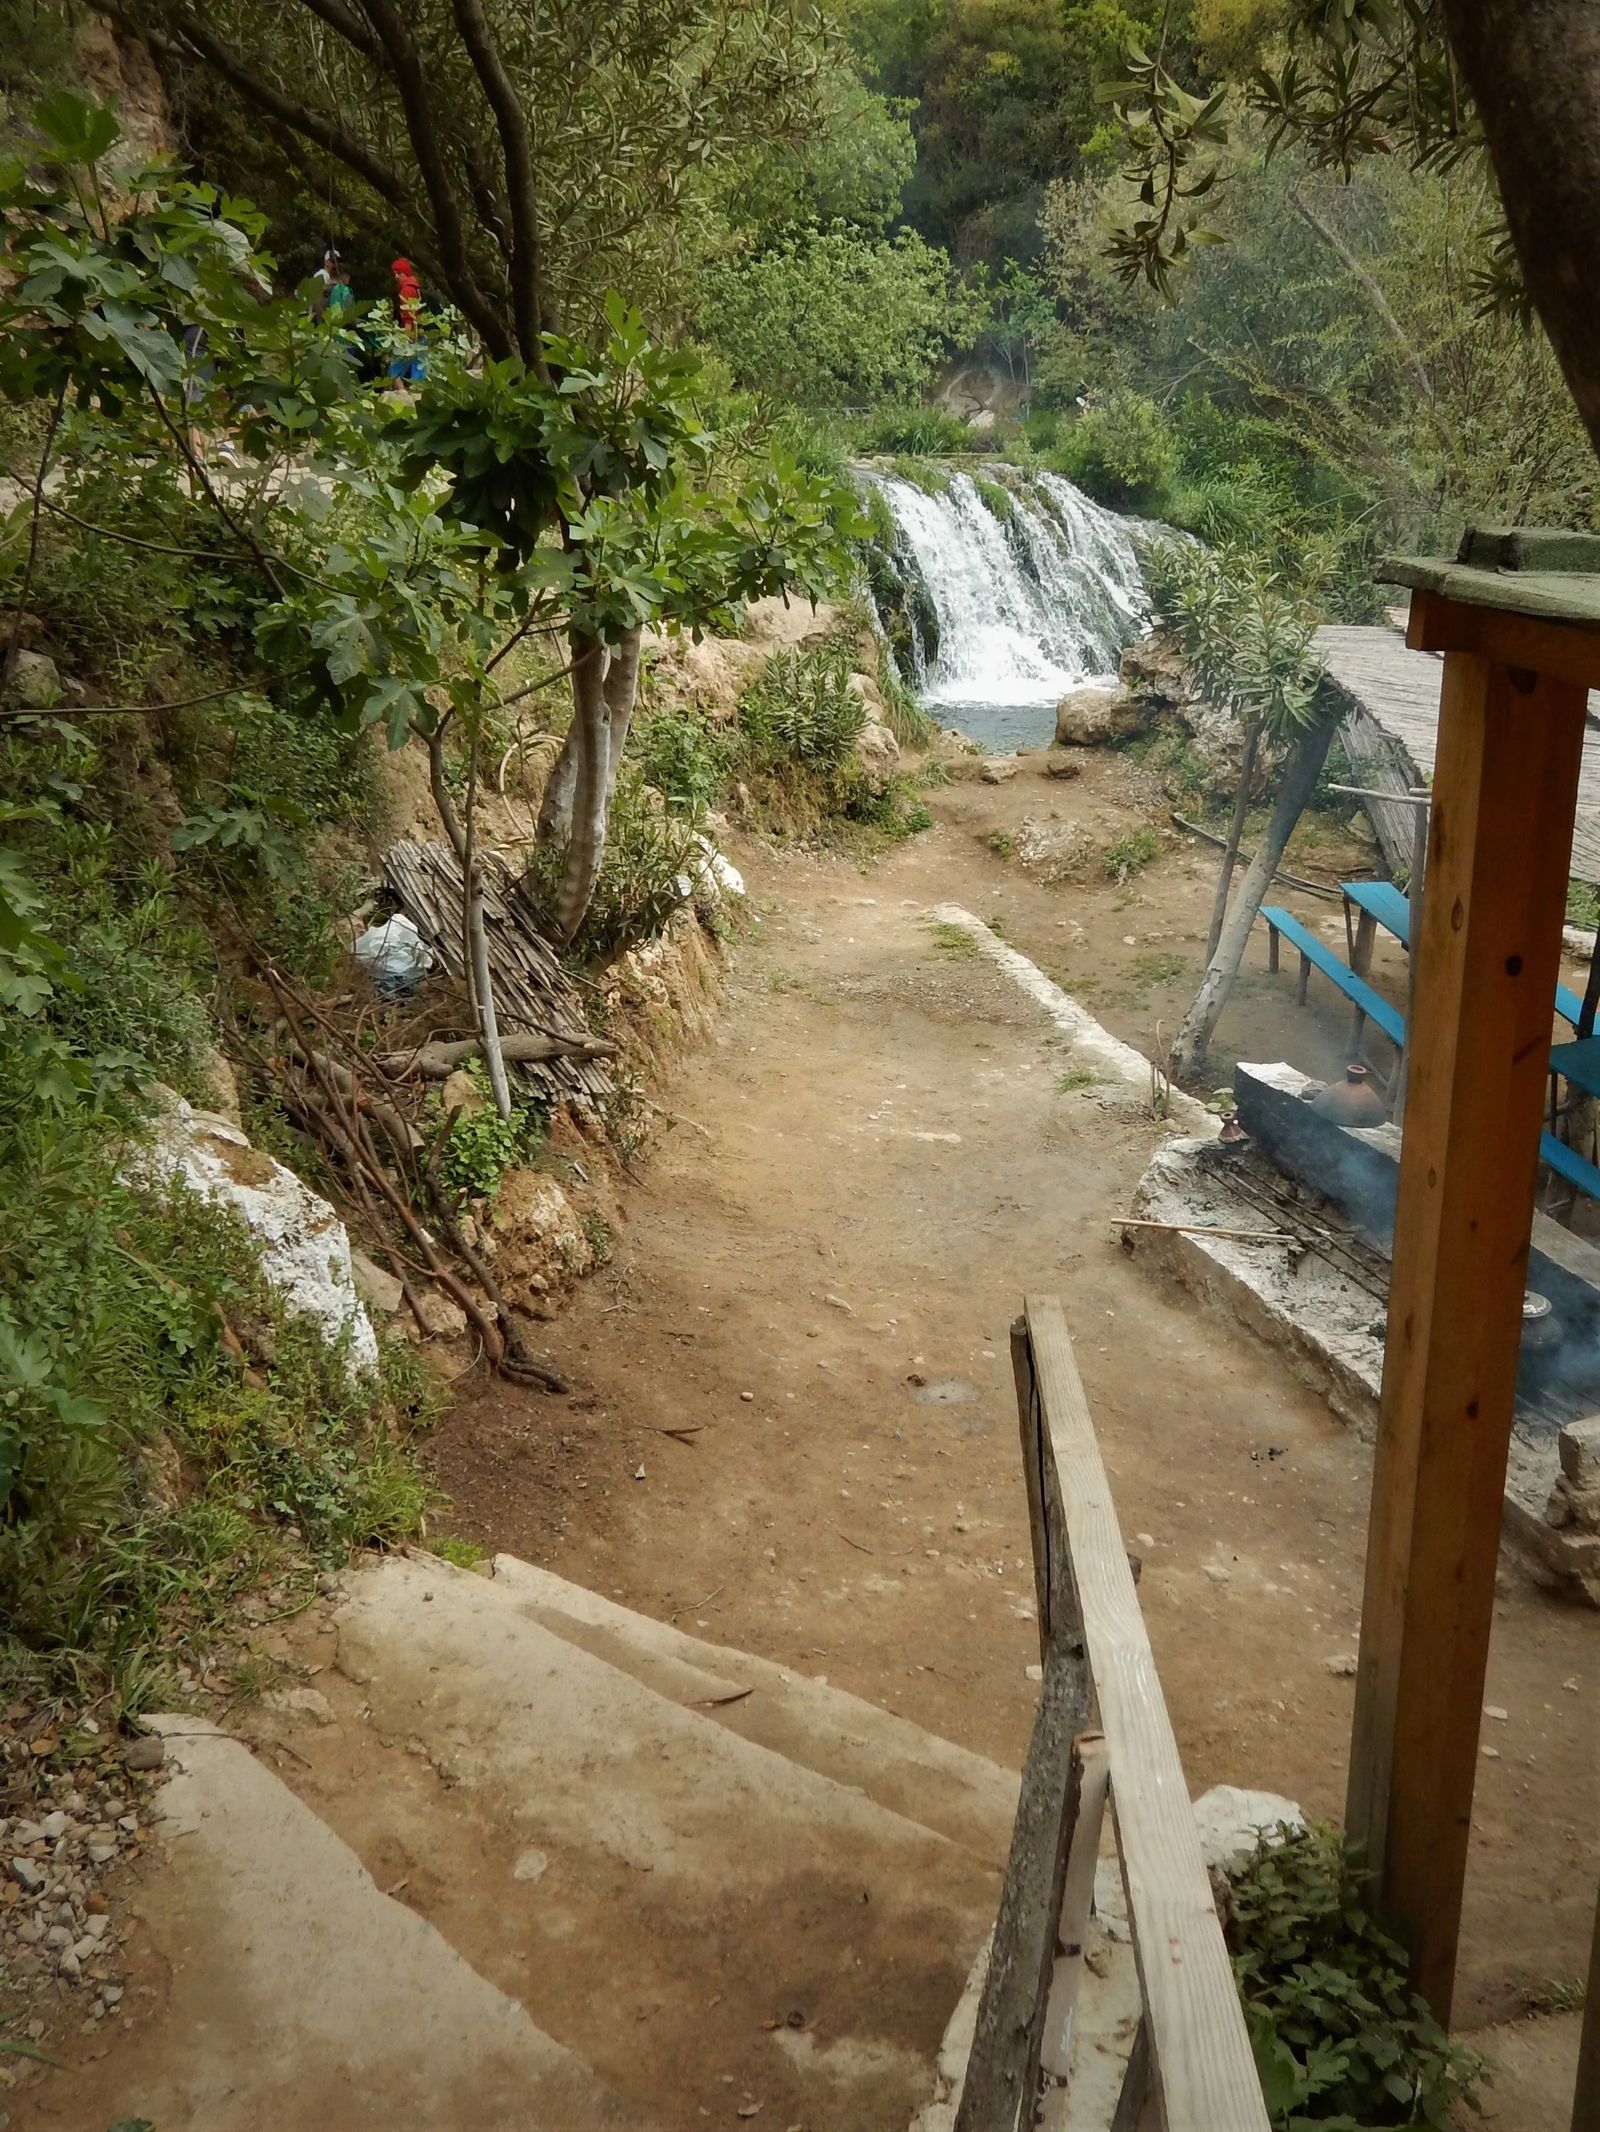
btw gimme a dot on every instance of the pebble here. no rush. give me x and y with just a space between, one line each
102 1853
146 1753
54 1826
837 1302
1493 1710
1217 1574
27 1875
747 1397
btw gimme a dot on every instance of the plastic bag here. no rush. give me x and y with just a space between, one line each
396 955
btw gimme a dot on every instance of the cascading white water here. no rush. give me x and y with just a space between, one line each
1024 609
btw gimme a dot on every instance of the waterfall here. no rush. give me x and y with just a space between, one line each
995 616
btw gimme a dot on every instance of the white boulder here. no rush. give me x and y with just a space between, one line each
305 1248
1091 717
1232 1823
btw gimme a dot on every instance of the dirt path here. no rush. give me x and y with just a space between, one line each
814 1286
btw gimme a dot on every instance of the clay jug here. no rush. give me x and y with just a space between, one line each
1352 1101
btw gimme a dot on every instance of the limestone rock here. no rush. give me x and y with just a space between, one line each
461 1092
876 745
1154 670
541 1242
441 1317
32 680
302 1702
1058 763
305 1249
1091 717
379 1290
1232 1822
1579 1447
998 769
219 1084
1055 851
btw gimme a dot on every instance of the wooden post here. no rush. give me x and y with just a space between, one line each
1586 2097
1414 888
1487 959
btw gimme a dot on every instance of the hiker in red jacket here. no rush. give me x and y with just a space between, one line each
411 365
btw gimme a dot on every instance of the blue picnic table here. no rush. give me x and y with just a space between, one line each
1381 904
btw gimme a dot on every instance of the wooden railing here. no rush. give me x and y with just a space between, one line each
1101 1727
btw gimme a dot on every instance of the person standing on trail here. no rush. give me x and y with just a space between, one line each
411 364
333 296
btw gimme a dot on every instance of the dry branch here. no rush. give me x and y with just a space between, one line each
437 1059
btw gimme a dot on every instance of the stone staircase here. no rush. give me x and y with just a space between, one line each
525 1861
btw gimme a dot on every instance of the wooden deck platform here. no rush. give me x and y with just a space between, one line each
1389 729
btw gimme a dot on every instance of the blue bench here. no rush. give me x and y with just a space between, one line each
1578 1061
1370 1006
1569 1165
1381 903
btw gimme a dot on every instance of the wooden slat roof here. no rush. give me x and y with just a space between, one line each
1398 689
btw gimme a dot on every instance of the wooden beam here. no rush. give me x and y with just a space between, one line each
1200 2049
1010 2012
1487 960
1586 2096
1561 651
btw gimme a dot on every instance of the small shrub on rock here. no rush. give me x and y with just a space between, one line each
1339 2037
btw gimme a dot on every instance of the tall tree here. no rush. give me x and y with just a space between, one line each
533 159
1437 81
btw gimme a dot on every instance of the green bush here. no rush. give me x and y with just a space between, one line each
682 758
1339 2037
801 709
1131 853
1121 450
481 1145
923 432
144 1479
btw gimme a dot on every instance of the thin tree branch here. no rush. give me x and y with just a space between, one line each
1372 288
298 118
406 67
21 607
516 141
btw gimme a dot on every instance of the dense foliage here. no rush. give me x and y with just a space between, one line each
1340 2039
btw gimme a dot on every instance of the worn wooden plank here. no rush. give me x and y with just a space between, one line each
1586 2095
1093 1766
1033 1477
1011 2009
1200 2049
1390 732
1489 954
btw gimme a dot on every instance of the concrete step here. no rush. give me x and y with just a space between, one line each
961 1795
294 1994
710 1924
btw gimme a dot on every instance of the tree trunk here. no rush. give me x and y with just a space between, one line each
1300 775
586 844
1534 70
622 692
1230 850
